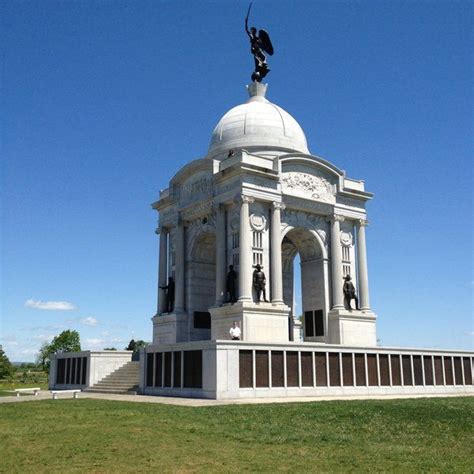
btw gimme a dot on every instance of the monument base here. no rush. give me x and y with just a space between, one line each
259 322
352 328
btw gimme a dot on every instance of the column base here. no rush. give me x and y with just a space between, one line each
352 328
259 322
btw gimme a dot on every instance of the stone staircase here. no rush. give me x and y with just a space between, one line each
123 380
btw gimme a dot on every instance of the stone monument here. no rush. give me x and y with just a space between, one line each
259 197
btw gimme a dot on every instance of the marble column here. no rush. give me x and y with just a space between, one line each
179 268
336 263
277 274
362 267
163 269
245 273
220 255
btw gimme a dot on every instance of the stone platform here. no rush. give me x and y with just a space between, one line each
223 370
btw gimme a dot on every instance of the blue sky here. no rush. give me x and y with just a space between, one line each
102 102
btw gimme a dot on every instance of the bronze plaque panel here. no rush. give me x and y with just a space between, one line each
458 371
396 372
438 363
78 371
177 369
418 370
73 371
149 369
407 378
372 369
158 369
261 368
448 371
306 369
84 370
277 369
467 370
193 369
321 376
334 370
360 370
308 323
292 379
428 370
384 370
61 371
168 369
245 369
347 374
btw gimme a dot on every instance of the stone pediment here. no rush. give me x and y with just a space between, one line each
308 178
308 186
196 188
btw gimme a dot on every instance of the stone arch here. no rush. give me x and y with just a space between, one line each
314 279
201 282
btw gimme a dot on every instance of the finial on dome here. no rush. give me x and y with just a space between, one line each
257 90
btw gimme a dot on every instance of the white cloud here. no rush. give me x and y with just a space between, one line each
50 305
469 333
43 337
89 321
94 341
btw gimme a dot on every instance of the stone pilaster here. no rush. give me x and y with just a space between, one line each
163 269
220 255
277 275
245 273
179 267
362 267
336 262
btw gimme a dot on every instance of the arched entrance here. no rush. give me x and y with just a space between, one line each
314 281
201 285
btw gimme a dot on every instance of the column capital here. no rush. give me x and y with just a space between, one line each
279 205
335 218
242 198
362 222
161 229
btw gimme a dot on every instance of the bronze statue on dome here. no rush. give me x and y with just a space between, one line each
259 45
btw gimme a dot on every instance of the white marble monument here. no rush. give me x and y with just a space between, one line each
260 197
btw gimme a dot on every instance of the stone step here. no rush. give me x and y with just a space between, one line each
128 391
123 380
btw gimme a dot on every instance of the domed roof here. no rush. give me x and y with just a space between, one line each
257 124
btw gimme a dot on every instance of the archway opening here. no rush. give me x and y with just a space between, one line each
305 284
201 286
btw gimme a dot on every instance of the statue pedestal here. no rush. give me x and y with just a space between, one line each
169 328
352 328
259 322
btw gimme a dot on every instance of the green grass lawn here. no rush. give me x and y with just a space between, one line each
85 435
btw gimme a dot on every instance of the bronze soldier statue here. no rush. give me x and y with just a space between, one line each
231 285
259 45
259 281
349 293
169 306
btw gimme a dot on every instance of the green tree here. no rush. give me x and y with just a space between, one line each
42 358
67 341
6 368
110 348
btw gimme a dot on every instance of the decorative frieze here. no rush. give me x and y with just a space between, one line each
308 186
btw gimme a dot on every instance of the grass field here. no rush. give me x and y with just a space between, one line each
433 435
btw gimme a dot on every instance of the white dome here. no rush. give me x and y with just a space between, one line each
257 124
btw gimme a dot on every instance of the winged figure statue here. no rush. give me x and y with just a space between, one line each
260 44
